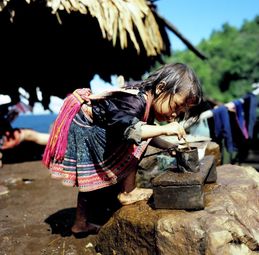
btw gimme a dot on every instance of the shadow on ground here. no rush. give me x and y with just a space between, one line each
62 221
101 206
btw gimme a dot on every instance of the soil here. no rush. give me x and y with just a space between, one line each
37 213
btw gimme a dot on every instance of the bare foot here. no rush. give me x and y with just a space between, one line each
138 194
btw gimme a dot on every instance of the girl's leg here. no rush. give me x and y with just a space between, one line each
129 183
81 225
130 193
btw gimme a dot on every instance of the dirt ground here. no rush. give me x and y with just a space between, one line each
37 213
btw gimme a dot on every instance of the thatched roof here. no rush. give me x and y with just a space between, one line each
117 20
59 45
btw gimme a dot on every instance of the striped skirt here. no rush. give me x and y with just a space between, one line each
93 160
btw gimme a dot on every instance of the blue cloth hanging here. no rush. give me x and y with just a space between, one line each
240 115
222 126
250 104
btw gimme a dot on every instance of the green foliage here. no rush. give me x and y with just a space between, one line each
232 64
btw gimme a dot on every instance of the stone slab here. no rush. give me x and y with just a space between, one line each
179 197
172 177
212 175
175 190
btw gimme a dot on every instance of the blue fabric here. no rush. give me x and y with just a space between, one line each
240 115
250 104
222 126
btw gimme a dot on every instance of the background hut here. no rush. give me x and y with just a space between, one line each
59 45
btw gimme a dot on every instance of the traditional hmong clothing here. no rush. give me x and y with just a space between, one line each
102 150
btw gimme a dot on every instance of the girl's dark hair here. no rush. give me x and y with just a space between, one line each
176 78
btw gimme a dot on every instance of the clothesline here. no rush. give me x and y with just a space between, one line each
230 105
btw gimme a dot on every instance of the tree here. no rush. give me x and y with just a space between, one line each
232 64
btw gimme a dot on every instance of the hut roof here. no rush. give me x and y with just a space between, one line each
59 45
117 20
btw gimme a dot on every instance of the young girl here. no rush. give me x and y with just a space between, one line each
97 141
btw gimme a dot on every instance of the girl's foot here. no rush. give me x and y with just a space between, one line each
138 194
80 231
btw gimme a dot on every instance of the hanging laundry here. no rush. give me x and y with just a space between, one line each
222 126
240 117
250 105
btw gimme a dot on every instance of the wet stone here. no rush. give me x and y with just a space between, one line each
177 190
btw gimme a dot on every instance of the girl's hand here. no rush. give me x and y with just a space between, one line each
174 128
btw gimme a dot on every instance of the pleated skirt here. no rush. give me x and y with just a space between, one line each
93 158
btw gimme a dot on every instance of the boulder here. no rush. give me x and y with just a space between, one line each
213 149
229 223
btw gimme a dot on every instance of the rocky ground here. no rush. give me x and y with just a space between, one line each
37 212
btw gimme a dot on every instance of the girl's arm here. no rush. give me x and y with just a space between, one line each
151 131
161 143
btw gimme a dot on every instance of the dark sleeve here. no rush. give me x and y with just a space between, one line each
120 114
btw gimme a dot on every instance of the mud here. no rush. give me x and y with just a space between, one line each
37 213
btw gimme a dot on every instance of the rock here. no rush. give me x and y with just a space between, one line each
177 190
148 168
213 149
228 224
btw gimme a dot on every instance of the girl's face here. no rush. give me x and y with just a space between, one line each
169 107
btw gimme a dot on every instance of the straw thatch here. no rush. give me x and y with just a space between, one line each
59 45
117 20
